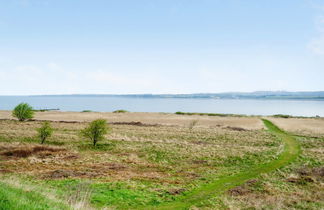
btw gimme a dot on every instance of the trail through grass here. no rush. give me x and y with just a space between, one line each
290 152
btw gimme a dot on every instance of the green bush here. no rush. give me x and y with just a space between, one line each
95 131
23 111
282 116
44 132
120 111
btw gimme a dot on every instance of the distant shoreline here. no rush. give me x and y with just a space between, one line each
259 95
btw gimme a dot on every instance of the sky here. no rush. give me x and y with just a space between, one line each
160 46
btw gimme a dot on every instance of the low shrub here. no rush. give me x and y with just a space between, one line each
44 132
95 131
23 111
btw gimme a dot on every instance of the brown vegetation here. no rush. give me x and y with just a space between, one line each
312 126
26 151
250 123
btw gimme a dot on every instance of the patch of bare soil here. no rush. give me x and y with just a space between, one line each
22 152
33 159
317 172
300 180
61 173
238 191
201 142
307 175
200 162
4 171
235 128
243 189
189 175
65 173
58 121
176 191
137 123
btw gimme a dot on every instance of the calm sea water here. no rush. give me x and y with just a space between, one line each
233 106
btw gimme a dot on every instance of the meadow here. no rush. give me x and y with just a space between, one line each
152 160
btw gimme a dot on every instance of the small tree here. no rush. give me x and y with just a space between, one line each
95 131
44 132
23 111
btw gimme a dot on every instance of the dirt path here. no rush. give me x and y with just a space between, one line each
290 152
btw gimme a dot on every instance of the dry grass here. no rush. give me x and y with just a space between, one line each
167 159
250 123
133 152
301 126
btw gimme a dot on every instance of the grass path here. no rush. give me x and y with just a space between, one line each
290 152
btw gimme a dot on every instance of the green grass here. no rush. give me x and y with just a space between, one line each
122 194
19 199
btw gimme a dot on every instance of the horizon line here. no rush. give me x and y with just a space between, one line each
130 94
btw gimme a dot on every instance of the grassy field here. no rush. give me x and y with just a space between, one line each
151 161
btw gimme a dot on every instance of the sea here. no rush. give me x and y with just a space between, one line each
307 108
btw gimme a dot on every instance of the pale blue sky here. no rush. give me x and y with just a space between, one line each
160 46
